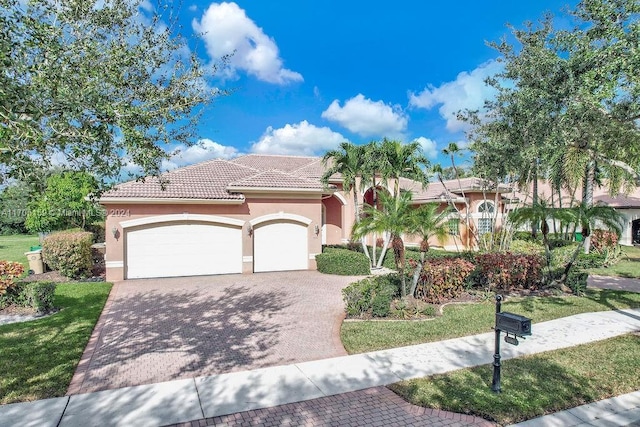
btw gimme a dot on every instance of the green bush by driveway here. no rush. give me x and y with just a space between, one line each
343 262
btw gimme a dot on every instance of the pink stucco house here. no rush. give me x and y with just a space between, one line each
255 213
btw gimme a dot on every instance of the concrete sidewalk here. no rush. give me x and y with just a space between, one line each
207 397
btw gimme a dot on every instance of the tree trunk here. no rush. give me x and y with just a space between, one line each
587 200
357 219
385 246
398 252
534 199
416 275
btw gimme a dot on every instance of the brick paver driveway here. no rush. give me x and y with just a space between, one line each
157 330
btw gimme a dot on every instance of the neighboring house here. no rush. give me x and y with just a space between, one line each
255 213
626 204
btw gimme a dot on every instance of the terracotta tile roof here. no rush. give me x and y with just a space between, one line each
435 191
207 180
276 179
264 162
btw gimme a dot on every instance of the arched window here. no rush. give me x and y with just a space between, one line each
486 207
485 223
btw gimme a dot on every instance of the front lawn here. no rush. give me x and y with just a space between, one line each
534 385
628 266
12 248
39 357
469 319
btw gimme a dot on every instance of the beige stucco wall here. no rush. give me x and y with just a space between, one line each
308 206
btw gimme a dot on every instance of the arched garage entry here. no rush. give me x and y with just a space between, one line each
182 245
280 242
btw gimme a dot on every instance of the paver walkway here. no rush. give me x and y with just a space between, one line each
156 330
376 406
617 283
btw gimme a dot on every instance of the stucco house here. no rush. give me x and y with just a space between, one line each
628 204
255 213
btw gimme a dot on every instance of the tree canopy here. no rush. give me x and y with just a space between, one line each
95 85
568 102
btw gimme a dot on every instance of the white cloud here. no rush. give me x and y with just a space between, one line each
193 8
301 139
368 118
468 90
226 30
428 147
205 149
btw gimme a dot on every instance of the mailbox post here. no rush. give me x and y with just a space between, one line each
495 383
510 323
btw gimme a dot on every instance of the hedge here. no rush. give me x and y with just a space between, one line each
371 297
343 262
37 295
69 253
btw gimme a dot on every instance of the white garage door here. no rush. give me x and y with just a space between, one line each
183 249
280 246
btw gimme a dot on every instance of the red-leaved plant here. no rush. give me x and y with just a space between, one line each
9 271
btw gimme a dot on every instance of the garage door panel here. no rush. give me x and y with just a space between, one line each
280 246
186 249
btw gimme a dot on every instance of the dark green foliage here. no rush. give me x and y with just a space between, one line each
69 253
371 297
343 262
37 295
98 230
592 260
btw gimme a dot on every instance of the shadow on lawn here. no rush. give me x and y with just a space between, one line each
530 387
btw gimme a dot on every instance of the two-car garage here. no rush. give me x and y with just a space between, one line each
194 245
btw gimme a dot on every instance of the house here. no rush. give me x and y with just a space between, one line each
627 203
255 213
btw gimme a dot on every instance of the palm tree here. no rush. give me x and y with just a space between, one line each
395 160
403 160
538 215
348 161
427 222
587 218
394 217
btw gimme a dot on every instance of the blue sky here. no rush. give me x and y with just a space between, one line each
307 75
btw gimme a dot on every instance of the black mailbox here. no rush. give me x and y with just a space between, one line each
512 323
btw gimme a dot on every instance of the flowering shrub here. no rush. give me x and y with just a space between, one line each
603 240
508 272
69 253
9 271
442 279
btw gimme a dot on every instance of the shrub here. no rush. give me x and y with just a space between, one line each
577 281
443 278
526 236
343 262
37 295
526 247
591 260
370 297
559 243
98 230
69 253
508 272
603 239
9 271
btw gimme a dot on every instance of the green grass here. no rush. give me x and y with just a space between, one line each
39 357
534 385
629 265
12 248
468 319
